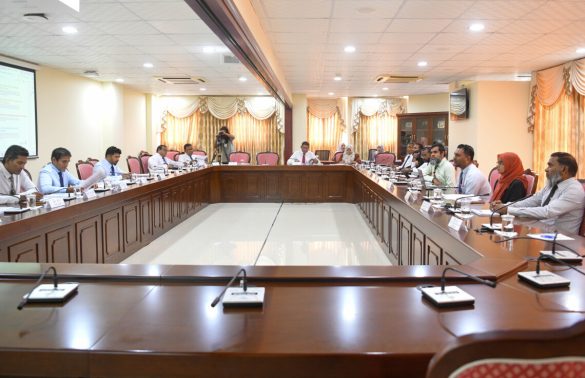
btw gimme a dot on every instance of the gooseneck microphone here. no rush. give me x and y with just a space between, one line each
475 278
555 243
504 206
24 300
552 258
244 284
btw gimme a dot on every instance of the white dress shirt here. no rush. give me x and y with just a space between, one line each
156 162
22 185
472 181
408 162
565 209
107 167
192 159
297 156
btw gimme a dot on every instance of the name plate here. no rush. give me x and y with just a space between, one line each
215 163
88 194
426 206
455 223
233 163
55 202
123 185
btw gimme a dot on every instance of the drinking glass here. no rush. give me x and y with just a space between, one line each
465 206
508 223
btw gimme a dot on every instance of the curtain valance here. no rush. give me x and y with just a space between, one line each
322 108
371 106
223 108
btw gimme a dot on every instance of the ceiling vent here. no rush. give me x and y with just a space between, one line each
229 59
91 73
397 79
182 80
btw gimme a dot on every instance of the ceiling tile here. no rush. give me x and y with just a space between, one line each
417 25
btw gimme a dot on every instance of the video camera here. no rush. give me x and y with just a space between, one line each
221 139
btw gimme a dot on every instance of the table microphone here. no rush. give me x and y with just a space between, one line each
554 241
240 296
503 207
452 295
475 278
546 279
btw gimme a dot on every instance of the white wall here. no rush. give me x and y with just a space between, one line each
428 103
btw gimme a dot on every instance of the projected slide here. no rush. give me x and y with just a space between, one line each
18 123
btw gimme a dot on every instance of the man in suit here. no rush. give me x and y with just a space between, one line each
14 181
54 177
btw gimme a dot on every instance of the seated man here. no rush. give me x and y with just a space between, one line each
14 181
159 161
54 177
303 156
439 171
425 156
189 158
471 180
110 163
562 200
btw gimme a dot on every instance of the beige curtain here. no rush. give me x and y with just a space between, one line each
380 128
323 133
252 135
559 127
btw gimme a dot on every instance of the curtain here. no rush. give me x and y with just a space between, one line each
559 127
323 133
379 128
252 135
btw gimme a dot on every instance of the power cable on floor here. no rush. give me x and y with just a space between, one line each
268 234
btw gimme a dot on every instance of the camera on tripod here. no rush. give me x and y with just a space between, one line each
221 139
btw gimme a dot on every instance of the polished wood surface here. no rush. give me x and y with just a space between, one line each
151 320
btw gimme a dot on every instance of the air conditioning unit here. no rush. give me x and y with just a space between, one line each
229 59
397 79
182 80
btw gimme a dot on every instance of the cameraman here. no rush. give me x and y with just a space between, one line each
224 144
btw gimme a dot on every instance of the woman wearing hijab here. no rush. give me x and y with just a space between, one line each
350 157
512 184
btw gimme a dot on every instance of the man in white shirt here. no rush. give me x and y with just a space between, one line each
471 180
412 150
562 200
303 156
158 161
110 163
14 181
189 159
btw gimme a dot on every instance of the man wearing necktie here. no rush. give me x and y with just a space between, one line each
471 180
110 163
562 200
54 177
159 161
14 181
188 158
303 156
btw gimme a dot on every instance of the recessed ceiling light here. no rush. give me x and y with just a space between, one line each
580 50
242 78
260 94
422 63
119 80
476 27
349 49
69 29
148 65
203 89
385 88
330 93
337 78
523 77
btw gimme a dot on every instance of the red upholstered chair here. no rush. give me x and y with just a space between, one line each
323 154
532 181
200 153
240 157
493 177
171 154
176 157
92 161
133 164
337 156
550 353
144 162
267 158
582 229
385 158
84 170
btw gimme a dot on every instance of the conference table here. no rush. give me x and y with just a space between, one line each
329 321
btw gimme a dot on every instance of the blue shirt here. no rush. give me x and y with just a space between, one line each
107 166
49 180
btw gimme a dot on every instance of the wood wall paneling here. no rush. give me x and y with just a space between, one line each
132 222
112 236
88 236
60 245
29 250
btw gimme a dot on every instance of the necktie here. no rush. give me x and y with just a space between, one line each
61 179
460 187
552 192
12 190
112 173
303 161
190 157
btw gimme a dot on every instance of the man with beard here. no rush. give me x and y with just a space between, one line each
562 200
439 171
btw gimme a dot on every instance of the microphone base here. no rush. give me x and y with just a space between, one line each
566 256
237 297
47 293
544 279
451 297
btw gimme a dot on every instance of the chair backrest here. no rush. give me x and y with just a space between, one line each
582 228
200 153
133 164
506 352
371 153
92 161
385 158
240 157
532 181
84 170
144 162
267 158
337 157
27 173
171 154
176 157
323 154
493 177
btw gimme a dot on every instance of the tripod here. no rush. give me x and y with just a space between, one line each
217 153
